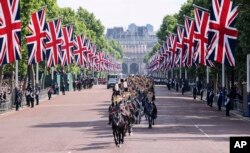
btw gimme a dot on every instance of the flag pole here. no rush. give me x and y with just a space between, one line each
223 75
207 75
52 74
16 73
185 74
37 74
180 73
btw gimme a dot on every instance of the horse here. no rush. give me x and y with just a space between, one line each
151 111
118 127
128 113
138 111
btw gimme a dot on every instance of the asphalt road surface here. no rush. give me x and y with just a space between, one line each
77 122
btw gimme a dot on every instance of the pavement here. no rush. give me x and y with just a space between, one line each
77 122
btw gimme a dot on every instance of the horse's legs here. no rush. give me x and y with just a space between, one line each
119 136
122 131
149 121
115 136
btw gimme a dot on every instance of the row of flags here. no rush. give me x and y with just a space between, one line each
48 41
208 38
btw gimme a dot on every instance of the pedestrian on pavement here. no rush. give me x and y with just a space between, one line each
202 91
37 96
220 99
50 91
63 88
229 101
208 99
182 89
17 101
27 96
211 98
228 105
194 92
177 87
32 96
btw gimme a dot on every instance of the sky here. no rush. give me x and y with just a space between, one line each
115 13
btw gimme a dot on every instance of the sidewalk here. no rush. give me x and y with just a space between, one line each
43 97
232 112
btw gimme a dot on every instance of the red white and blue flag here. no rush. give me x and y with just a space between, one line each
201 35
180 46
173 47
54 42
10 31
188 41
100 61
223 34
79 50
36 38
67 45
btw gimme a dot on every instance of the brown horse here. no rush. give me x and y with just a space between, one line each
118 126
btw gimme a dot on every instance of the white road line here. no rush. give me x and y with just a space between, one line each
210 139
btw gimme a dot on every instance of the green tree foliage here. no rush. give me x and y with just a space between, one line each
83 21
116 49
151 53
168 25
243 45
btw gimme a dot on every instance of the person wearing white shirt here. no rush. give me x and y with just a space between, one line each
125 86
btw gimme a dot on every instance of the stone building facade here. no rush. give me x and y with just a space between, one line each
136 41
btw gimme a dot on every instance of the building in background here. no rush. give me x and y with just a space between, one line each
136 41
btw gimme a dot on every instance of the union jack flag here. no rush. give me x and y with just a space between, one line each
100 61
88 53
93 57
167 54
67 45
54 42
36 40
201 35
80 48
223 34
188 41
10 31
180 45
173 47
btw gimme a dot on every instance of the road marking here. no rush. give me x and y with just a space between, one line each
209 138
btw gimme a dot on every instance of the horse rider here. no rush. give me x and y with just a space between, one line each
125 85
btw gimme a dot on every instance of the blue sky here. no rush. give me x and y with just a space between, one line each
123 12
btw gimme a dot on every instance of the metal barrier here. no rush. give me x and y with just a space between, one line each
8 105
4 106
237 105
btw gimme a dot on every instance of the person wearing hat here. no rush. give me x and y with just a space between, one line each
125 85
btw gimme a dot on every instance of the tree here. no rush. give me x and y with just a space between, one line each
168 25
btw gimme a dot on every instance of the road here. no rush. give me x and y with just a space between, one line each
77 122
